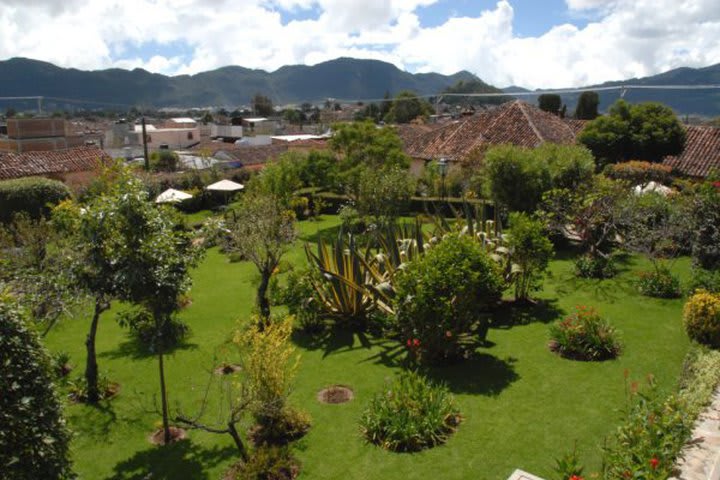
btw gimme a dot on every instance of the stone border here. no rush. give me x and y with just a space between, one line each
700 458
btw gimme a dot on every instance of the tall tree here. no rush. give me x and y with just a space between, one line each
646 131
261 230
550 102
262 105
587 106
34 441
406 107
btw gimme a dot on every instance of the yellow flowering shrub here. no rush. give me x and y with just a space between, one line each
701 317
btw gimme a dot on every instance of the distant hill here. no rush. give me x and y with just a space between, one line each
704 102
343 78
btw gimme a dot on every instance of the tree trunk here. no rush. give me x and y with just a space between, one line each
163 392
91 368
238 441
262 301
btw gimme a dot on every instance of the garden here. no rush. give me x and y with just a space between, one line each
569 331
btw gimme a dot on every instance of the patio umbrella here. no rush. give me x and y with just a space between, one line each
172 196
225 186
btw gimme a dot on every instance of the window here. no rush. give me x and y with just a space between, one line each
190 135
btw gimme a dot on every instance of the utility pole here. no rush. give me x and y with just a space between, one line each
145 149
39 103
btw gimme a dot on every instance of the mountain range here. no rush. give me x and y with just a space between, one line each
343 78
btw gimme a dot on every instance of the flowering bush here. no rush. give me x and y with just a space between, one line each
701 316
660 283
440 297
410 414
584 335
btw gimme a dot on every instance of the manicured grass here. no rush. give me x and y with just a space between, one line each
522 405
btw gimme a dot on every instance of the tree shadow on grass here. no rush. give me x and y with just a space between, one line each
606 290
510 314
136 350
95 421
178 460
337 339
481 374
327 234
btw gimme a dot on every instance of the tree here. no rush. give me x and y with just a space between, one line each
152 261
280 178
382 193
587 106
34 441
319 169
550 102
260 230
262 105
531 250
646 131
514 178
406 107
706 226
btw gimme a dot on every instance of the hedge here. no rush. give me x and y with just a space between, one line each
33 195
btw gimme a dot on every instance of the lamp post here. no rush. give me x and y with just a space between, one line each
443 167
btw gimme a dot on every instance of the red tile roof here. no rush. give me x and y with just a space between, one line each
701 153
28 164
517 123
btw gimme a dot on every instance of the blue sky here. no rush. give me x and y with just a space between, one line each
535 44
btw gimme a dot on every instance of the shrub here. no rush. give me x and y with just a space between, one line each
268 463
648 443
350 220
595 266
704 280
660 283
31 195
531 250
701 316
568 467
34 441
299 296
164 161
410 414
78 388
584 335
639 172
706 228
142 324
440 297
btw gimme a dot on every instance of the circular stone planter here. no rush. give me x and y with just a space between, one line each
176 434
335 394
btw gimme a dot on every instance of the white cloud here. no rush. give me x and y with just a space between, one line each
625 38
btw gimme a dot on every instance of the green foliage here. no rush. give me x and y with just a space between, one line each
648 443
407 107
646 131
262 105
515 178
706 227
518 177
568 467
279 178
268 463
702 279
319 169
550 102
587 106
473 86
34 442
298 294
142 324
164 161
440 297
270 365
350 220
410 414
701 317
78 390
530 250
382 194
363 144
584 335
659 283
32 195
595 266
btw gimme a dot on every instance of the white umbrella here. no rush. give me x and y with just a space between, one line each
225 186
653 187
172 196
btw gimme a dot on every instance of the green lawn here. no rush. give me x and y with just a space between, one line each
523 406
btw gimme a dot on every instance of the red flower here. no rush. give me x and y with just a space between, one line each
416 342
576 477
448 334
654 462
409 343
716 184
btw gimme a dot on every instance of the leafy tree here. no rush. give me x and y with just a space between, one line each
370 112
260 230
34 441
319 169
514 178
550 102
362 143
262 105
406 107
293 116
164 161
531 250
646 131
153 259
382 193
706 226
587 106
570 166
280 178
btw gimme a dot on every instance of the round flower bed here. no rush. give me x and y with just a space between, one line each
410 414
584 335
